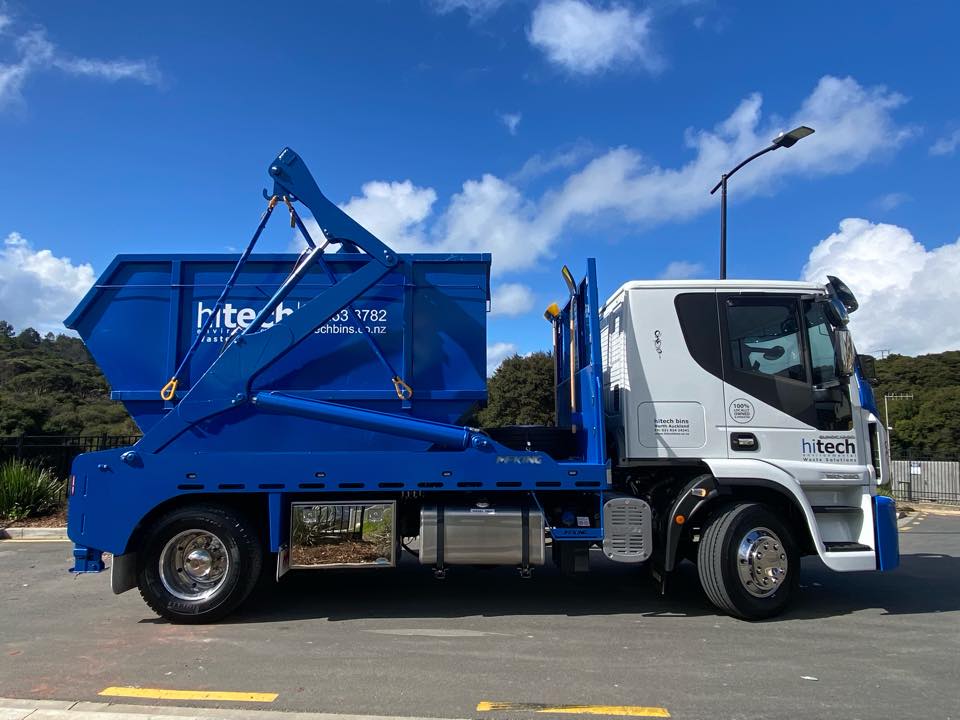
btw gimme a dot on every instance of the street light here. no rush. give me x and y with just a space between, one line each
886 406
783 140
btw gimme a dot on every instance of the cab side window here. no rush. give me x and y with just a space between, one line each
764 338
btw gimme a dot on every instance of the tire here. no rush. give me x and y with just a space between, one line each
748 562
198 564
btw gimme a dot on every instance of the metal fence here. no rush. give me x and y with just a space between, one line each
926 480
58 451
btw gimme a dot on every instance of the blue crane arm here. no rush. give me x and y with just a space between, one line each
293 180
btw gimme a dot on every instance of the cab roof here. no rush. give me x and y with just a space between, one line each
791 286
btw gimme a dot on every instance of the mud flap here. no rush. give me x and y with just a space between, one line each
283 561
123 573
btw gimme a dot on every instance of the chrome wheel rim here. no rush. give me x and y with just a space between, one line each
194 565
762 562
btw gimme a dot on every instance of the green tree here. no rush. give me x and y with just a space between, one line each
28 338
520 392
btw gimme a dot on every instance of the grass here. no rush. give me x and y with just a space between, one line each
27 489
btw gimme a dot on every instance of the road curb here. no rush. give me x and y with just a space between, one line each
936 508
68 710
905 520
25 533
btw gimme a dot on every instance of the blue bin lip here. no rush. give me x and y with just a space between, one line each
78 312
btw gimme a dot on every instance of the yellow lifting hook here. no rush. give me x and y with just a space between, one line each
404 391
169 390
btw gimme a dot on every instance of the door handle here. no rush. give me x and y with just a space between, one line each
744 442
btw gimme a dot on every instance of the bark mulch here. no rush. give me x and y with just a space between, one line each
57 519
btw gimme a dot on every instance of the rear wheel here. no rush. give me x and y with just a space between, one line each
748 561
198 564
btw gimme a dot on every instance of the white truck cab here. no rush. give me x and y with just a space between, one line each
751 389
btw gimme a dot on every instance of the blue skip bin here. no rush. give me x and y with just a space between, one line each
427 317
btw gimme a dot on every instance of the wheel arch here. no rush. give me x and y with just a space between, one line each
252 505
721 492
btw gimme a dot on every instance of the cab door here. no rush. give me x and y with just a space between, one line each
785 405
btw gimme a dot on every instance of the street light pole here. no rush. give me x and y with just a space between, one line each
784 140
723 226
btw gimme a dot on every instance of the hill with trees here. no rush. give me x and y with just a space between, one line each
49 385
928 424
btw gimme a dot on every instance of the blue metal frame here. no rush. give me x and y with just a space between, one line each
588 417
116 489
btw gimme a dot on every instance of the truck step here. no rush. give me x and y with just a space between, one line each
829 509
845 546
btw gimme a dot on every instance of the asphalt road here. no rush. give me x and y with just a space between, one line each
399 642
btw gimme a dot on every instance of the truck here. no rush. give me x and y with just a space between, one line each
308 412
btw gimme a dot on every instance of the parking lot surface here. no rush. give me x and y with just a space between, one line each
488 644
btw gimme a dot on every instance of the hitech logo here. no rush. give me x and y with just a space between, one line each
231 317
844 447
837 448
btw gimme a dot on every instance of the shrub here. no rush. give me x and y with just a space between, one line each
27 489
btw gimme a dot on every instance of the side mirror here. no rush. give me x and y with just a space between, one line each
868 367
846 355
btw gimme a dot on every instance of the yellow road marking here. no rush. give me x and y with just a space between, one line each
620 710
164 694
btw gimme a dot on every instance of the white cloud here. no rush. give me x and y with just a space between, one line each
855 124
491 215
476 9
143 71
487 215
891 201
681 270
584 39
908 295
511 299
539 165
947 145
512 121
34 53
37 288
497 353
394 212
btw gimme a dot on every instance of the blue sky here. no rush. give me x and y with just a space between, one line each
544 131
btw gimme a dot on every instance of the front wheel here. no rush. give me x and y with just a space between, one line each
198 564
748 562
